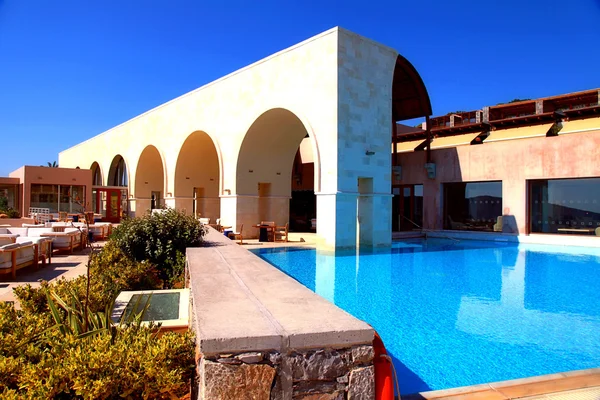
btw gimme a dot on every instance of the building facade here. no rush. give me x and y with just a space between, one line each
527 167
227 149
56 189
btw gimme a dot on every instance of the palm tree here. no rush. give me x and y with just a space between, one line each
52 164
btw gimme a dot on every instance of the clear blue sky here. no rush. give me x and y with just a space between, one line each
71 69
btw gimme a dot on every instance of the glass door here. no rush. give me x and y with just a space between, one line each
113 205
408 208
108 204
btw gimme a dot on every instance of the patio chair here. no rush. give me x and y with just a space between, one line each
238 234
281 233
217 225
16 256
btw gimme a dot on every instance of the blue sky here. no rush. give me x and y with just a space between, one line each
72 69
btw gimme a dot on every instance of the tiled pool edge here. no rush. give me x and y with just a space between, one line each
543 239
261 332
516 388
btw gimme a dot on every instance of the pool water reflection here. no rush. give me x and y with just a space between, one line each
461 313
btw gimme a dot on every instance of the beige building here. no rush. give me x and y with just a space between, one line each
55 189
227 149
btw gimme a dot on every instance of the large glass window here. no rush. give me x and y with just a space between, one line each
58 197
565 206
473 206
9 198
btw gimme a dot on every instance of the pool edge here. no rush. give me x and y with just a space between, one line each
517 388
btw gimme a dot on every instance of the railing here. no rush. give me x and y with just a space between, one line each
429 230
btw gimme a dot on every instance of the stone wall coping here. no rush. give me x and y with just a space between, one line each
242 303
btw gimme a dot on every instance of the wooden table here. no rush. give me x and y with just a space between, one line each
264 232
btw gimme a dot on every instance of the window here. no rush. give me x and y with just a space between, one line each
58 197
473 206
565 206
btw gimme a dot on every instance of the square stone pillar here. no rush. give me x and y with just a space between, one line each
336 219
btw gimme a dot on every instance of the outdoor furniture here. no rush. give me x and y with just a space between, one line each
281 233
238 234
68 240
267 229
15 256
217 225
43 245
204 221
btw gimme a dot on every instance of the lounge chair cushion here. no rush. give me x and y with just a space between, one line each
37 232
10 246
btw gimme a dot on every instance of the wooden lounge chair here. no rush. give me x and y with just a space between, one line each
238 234
15 256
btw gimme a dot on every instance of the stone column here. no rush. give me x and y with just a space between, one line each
336 219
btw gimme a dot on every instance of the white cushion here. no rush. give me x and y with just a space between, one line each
18 231
37 232
10 246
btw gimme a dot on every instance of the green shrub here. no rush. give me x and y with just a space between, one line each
135 363
111 272
161 239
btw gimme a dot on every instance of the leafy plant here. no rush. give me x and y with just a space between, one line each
160 239
132 362
110 272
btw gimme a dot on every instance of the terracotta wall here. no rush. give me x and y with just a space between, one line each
513 162
29 175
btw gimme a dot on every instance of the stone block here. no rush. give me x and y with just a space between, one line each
322 365
362 354
362 384
245 381
325 396
250 358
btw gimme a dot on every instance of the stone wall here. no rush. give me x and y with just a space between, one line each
262 335
323 374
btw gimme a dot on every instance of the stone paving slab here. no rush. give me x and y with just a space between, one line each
66 266
242 303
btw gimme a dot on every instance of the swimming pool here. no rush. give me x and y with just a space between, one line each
456 313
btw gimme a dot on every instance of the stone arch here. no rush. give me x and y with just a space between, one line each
198 171
118 174
150 180
97 178
265 162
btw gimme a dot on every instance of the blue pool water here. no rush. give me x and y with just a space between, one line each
461 313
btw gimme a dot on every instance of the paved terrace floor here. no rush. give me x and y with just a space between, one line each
66 266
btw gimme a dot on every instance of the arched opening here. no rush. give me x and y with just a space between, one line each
275 172
197 177
117 175
149 181
410 100
96 174
110 201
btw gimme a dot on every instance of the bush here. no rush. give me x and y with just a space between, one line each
160 239
111 272
136 363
